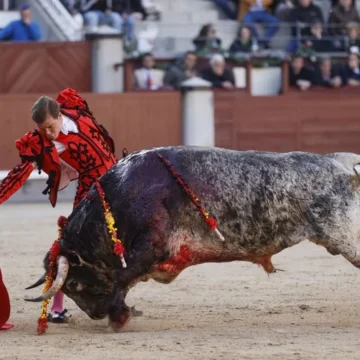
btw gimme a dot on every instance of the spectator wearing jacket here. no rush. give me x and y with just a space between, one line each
185 70
243 42
100 12
343 13
259 11
218 74
22 30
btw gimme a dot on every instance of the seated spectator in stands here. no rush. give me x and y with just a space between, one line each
301 17
152 8
258 11
130 8
350 72
336 2
73 7
229 7
22 30
283 9
326 74
244 41
352 41
207 39
181 72
218 74
148 77
300 76
101 12
316 39
130 12
11 5
340 16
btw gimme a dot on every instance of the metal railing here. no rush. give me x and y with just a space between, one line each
61 18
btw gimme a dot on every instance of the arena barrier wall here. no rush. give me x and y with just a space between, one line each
319 120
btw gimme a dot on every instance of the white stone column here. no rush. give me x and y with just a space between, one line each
107 50
198 113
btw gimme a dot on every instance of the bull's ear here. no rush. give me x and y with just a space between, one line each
75 259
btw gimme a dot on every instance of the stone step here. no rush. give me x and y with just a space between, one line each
170 44
188 30
193 17
186 5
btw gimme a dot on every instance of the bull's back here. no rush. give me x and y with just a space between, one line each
255 196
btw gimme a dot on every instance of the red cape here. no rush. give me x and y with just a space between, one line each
4 306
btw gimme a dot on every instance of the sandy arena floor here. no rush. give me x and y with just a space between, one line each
212 311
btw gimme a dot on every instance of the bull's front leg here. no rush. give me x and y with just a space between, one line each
119 312
139 262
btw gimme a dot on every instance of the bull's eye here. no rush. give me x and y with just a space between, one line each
73 285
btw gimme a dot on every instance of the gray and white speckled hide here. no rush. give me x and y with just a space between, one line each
263 203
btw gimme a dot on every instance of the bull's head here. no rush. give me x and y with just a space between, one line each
90 286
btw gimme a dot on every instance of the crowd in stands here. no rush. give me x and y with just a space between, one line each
121 15
147 77
310 28
312 31
88 14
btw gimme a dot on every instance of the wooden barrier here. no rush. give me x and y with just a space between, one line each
135 120
39 67
320 120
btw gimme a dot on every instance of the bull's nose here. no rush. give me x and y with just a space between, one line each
96 315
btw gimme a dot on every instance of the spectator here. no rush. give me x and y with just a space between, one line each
300 76
316 39
22 30
152 8
130 8
340 16
11 5
350 72
100 12
352 41
243 42
257 11
218 74
148 77
181 72
284 8
336 2
326 75
130 12
229 7
73 6
303 15
207 39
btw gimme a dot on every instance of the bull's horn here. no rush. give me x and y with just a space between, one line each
39 282
63 268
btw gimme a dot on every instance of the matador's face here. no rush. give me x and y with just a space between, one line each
51 127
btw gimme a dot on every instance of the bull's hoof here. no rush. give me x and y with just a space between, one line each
136 313
123 319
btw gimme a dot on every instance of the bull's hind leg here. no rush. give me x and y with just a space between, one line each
350 253
348 248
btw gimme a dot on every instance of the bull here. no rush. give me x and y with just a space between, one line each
263 202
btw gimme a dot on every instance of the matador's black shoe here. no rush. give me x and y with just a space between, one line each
58 318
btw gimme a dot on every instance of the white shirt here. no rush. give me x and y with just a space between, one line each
68 173
259 6
67 125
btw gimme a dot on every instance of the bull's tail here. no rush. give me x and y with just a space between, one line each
349 161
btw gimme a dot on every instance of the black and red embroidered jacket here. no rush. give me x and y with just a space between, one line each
89 153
